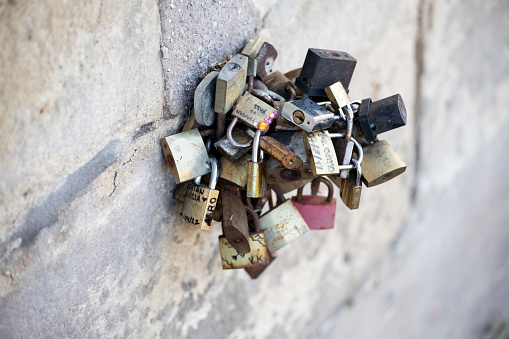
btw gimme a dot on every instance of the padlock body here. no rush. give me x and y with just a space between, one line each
278 82
235 227
323 68
204 96
286 187
320 153
318 213
253 46
256 179
381 163
230 83
255 272
265 60
282 225
308 115
387 114
186 155
199 206
251 110
235 172
232 259
350 193
231 152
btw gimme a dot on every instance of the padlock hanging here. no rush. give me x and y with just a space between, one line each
318 212
256 177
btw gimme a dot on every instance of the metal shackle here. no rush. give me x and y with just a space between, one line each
214 174
254 217
230 137
315 184
256 146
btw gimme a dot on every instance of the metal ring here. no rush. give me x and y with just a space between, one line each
256 145
214 173
230 138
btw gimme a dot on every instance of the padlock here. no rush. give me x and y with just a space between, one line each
337 179
308 115
201 201
281 123
322 68
289 186
254 112
253 46
283 224
186 155
204 96
265 59
191 121
255 272
278 151
381 163
320 152
232 153
258 254
235 172
279 83
381 116
351 187
234 225
251 74
230 83
318 212
256 177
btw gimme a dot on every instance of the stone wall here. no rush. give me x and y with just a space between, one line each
90 240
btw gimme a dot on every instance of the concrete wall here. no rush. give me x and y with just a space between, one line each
90 240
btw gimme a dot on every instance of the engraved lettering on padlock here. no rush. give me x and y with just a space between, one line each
308 115
230 83
232 259
204 96
381 163
186 155
253 46
318 212
200 202
252 111
234 225
321 154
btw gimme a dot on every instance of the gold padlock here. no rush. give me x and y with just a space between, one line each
235 172
351 187
200 202
254 112
186 155
381 163
257 171
320 152
253 46
230 83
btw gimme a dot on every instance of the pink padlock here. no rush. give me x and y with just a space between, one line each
318 212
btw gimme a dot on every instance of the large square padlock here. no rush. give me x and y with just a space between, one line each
230 83
381 163
318 212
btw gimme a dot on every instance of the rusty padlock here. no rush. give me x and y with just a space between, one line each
318 212
234 224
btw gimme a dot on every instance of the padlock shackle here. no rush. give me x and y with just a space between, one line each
256 146
230 137
254 217
280 197
214 174
315 184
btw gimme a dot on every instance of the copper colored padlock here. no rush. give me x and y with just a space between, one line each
317 211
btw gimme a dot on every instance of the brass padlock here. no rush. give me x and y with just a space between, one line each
235 172
256 177
265 60
230 83
320 152
204 96
351 187
254 112
381 163
253 46
258 254
279 83
201 201
308 115
186 155
234 225
232 153
283 224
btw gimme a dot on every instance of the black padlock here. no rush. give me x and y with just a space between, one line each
380 116
323 68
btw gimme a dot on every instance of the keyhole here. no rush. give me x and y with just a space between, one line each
298 117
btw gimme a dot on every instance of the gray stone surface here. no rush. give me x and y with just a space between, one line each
90 241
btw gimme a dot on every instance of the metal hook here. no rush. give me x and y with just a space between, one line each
230 137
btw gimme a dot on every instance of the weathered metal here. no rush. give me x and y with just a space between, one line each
235 172
318 212
320 152
232 259
253 46
381 163
231 152
204 96
235 227
265 60
308 115
252 111
230 83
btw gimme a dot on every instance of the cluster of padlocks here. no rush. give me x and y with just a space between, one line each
312 133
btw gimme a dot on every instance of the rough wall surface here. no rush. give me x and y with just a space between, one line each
90 241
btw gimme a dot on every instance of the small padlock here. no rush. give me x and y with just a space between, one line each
232 153
257 171
255 272
337 179
281 123
201 201
308 115
381 163
234 225
265 60
204 96
230 83
322 68
351 187
235 172
278 151
186 155
283 224
318 212
279 83
381 116
344 149
253 46
258 254
254 112
320 152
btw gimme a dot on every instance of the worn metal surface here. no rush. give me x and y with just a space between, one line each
230 83
235 227
282 225
289 186
265 60
255 272
350 192
322 68
235 172
337 95
204 96
180 192
381 163
228 150
251 110
387 114
186 155
312 117
253 46
362 122
232 259
320 152
256 179
280 84
318 211
280 152
199 206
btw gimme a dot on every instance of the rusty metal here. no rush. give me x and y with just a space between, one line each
235 172
381 163
318 212
221 126
228 150
255 222
255 272
258 84
265 59
280 84
235 227
286 187
207 132
232 259
186 155
263 95
293 74
250 84
230 83
280 152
